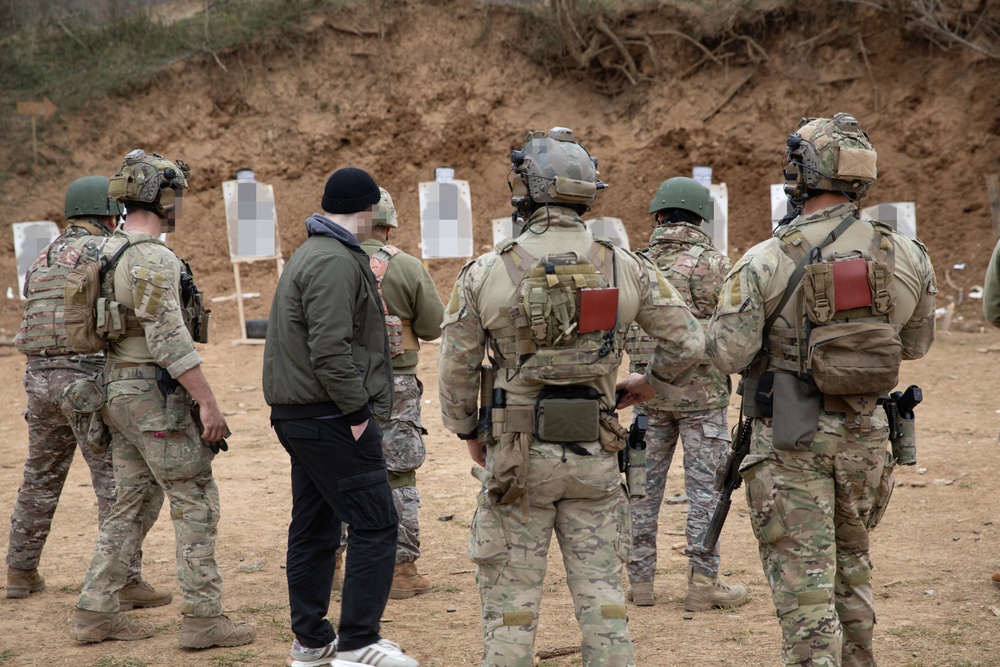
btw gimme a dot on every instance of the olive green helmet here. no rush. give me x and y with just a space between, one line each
686 194
553 168
832 154
89 196
150 179
384 213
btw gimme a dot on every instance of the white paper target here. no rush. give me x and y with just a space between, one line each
610 228
251 219
780 206
718 228
901 216
30 239
445 219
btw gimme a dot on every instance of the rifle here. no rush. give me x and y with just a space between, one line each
727 480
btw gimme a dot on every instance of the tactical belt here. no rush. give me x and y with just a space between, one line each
131 371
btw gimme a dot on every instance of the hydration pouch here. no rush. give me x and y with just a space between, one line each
795 413
855 358
568 415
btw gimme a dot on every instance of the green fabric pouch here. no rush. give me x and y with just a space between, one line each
565 420
796 413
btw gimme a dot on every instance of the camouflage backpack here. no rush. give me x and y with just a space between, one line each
92 318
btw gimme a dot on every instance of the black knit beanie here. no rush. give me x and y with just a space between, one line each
350 190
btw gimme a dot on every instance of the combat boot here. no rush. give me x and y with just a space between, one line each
407 582
706 593
22 583
208 631
96 626
142 595
338 572
641 594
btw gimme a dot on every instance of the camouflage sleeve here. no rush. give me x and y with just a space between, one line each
155 277
463 343
734 334
428 306
991 289
917 334
707 280
680 343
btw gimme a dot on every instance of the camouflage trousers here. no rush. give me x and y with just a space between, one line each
705 437
404 451
811 512
54 432
583 500
150 461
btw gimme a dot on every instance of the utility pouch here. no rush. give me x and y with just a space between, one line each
509 465
613 435
85 398
763 397
568 415
904 446
855 358
795 413
178 409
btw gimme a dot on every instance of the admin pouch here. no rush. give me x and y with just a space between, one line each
568 414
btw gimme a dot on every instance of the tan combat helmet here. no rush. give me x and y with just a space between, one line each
553 168
149 179
830 154
384 213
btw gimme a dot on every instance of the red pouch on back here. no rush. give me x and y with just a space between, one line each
598 309
850 284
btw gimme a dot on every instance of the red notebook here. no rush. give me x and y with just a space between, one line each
598 309
850 284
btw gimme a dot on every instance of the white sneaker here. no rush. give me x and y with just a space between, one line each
312 657
382 653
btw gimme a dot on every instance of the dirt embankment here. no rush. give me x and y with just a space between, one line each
401 87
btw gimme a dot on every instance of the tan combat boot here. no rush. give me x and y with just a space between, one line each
96 626
142 595
208 631
706 593
407 582
22 583
338 572
641 594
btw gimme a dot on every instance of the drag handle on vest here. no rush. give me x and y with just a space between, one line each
727 480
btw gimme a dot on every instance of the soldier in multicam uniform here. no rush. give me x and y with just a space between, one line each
54 426
818 474
413 311
155 439
551 308
696 413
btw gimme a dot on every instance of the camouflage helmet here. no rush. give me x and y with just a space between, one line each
686 194
384 213
150 179
88 196
832 154
553 168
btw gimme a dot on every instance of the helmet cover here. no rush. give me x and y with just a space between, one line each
831 154
553 167
150 179
384 213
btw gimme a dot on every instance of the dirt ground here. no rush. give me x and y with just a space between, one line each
933 553
423 83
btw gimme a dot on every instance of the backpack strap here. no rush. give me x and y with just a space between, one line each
695 252
379 264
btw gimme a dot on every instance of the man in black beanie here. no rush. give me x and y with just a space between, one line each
326 374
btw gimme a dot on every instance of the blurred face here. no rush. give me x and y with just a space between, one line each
360 224
170 200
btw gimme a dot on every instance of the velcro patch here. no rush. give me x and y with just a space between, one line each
518 618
